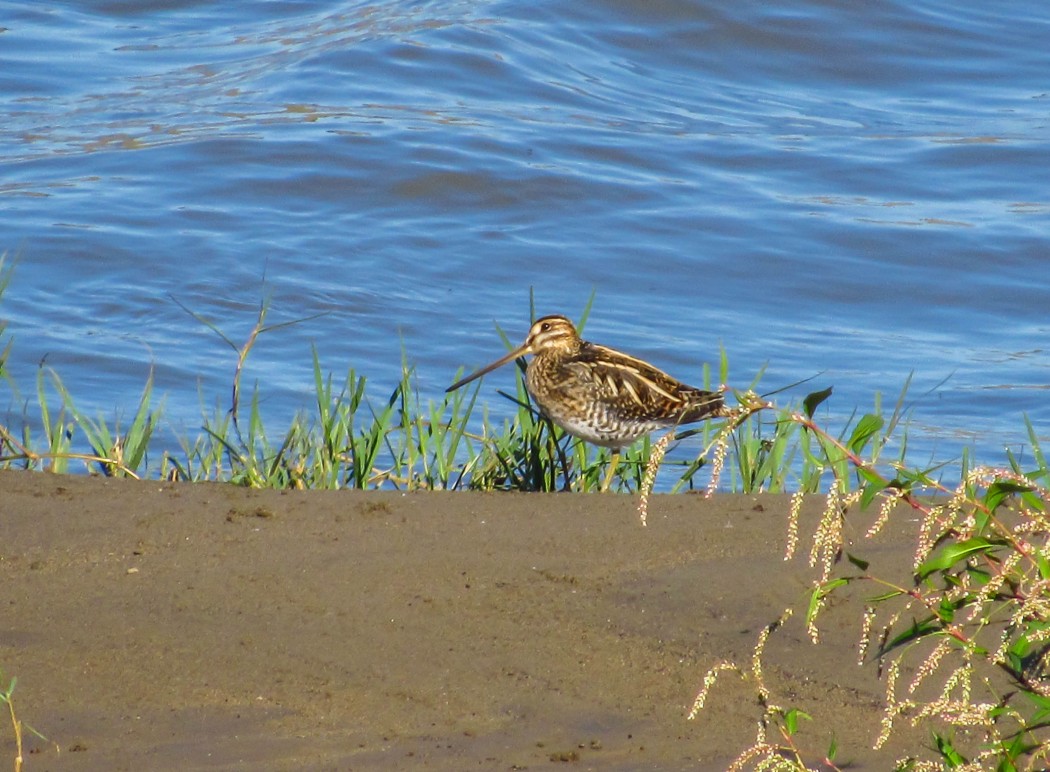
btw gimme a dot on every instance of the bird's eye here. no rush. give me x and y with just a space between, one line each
545 326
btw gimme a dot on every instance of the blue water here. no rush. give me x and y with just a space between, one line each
852 191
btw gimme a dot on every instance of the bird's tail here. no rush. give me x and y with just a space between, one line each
703 405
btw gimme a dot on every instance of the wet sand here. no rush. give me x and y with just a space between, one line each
158 626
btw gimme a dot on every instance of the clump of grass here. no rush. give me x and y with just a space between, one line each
17 725
111 452
7 697
349 439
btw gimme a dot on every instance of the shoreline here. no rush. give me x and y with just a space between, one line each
205 626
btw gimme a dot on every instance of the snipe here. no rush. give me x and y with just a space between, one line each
599 394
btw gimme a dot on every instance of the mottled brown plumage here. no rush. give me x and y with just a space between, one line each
598 394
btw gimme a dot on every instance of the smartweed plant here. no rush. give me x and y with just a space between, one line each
962 642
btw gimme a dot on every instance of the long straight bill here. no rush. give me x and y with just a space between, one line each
519 351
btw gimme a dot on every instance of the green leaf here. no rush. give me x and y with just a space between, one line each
918 629
791 718
866 428
886 596
953 554
947 751
1042 704
812 401
1033 500
858 562
946 611
872 476
875 485
981 519
1044 566
821 592
1015 749
1000 490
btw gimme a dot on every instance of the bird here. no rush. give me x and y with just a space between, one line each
598 394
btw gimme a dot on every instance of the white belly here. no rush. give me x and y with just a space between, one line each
607 436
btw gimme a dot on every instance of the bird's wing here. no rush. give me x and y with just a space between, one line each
634 386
